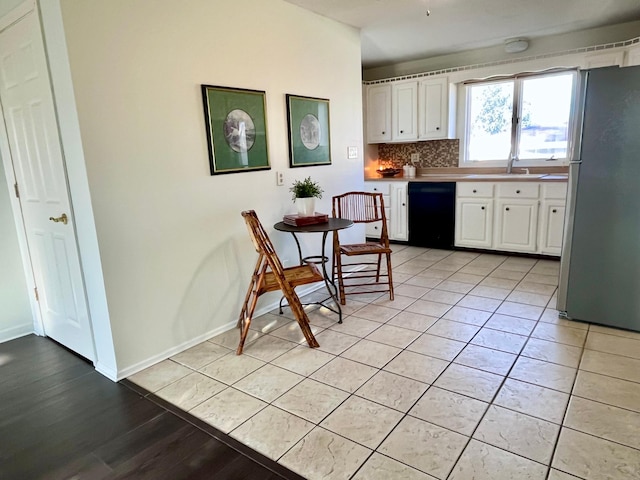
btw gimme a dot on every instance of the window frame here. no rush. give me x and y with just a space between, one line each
465 109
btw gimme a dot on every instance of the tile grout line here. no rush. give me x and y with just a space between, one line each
450 362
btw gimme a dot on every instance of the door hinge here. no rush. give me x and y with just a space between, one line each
35 291
15 185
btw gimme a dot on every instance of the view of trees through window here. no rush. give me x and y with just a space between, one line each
543 104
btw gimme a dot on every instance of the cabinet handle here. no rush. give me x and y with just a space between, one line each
383 133
474 191
554 210
401 131
437 128
404 204
517 191
507 209
375 228
481 208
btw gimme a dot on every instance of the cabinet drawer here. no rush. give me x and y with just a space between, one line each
518 190
377 187
554 190
374 229
475 189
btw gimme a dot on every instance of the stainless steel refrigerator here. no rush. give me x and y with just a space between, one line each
600 268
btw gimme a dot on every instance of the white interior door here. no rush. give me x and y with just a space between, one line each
36 155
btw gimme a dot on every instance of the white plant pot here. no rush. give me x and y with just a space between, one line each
306 206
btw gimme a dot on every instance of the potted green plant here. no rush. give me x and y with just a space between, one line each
305 193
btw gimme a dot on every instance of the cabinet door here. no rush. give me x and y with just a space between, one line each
632 57
379 113
404 105
474 222
399 221
608 59
373 230
516 225
552 227
433 109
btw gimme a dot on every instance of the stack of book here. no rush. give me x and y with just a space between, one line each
298 220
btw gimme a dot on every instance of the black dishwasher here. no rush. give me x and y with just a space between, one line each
432 213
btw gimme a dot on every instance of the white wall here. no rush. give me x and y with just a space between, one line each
175 252
537 46
15 312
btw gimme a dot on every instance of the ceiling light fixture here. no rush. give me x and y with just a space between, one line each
516 45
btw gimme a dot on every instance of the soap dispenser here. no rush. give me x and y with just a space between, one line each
412 171
405 170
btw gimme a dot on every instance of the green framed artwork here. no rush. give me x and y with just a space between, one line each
309 136
236 129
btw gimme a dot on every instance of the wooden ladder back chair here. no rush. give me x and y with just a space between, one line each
362 207
269 275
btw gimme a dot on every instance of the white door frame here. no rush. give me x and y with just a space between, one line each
69 132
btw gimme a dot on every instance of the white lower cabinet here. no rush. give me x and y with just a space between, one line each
551 226
398 205
552 211
474 222
474 214
511 216
516 225
394 195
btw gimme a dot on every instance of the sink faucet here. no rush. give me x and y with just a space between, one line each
510 163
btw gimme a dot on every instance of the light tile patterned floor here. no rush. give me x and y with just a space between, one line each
468 374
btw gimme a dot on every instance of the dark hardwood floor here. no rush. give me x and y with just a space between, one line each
60 419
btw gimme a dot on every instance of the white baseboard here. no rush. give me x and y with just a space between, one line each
16 332
128 371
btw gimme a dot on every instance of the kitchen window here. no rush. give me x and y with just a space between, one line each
527 117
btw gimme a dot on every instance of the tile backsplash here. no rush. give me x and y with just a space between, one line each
434 153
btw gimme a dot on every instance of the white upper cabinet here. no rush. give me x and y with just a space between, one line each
379 113
404 111
607 59
632 56
433 109
407 111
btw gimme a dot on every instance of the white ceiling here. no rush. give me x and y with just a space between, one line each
395 31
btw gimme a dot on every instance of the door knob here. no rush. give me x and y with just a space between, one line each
62 218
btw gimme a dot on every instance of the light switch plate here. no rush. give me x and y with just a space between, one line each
352 152
415 157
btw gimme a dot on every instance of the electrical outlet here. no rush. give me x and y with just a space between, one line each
352 152
279 179
415 157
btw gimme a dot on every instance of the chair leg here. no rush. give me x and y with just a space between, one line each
343 297
252 286
243 312
378 269
390 277
337 268
245 321
302 319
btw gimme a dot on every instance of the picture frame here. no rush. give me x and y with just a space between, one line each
309 131
236 127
